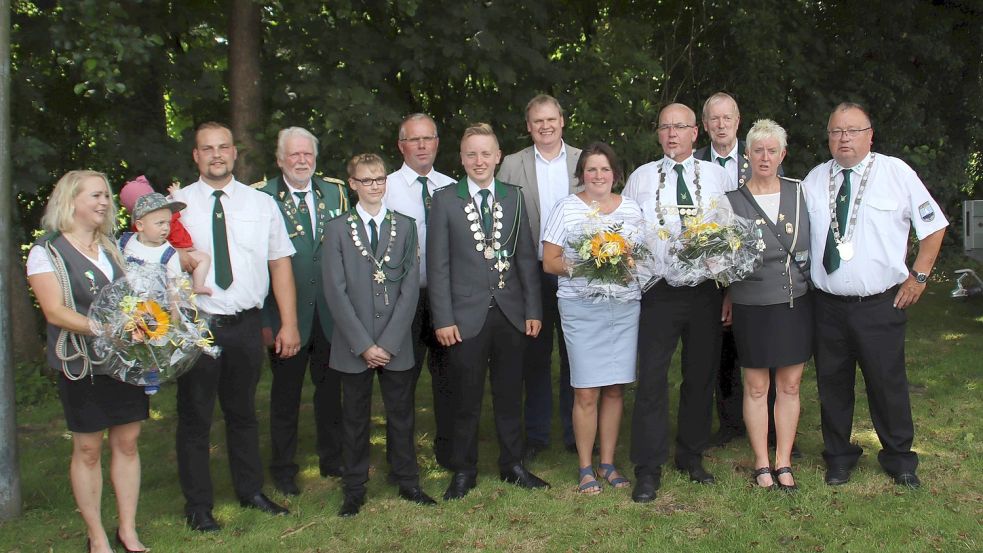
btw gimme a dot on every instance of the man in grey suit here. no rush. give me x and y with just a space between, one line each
371 282
721 121
545 171
484 296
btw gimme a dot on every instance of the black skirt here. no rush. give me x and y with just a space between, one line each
773 335
96 403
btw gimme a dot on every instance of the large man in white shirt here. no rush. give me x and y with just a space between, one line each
241 229
669 313
545 171
409 191
862 206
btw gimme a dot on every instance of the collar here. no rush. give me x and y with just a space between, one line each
307 187
464 192
857 169
562 155
364 215
732 154
668 163
473 189
229 189
410 176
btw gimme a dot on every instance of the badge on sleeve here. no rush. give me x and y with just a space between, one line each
802 256
926 212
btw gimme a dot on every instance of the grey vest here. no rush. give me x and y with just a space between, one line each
85 280
770 283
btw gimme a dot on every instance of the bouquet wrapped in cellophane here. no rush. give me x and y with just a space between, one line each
151 329
712 244
611 259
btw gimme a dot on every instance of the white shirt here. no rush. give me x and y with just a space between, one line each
553 184
308 199
378 218
474 190
152 254
572 218
256 235
405 195
38 261
894 201
733 164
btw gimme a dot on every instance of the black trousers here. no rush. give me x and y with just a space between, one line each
497 347
397 397
669 314
425 341
537 374
232 378
285 392
870 333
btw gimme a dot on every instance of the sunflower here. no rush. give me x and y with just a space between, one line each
152 319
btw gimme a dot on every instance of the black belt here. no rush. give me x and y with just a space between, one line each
889 293
225 320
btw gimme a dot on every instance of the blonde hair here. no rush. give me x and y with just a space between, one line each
479 129
766 128
364 159
59 214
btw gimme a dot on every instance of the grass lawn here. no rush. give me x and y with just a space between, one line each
945 367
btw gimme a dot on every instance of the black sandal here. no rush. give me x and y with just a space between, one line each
788 471
761 472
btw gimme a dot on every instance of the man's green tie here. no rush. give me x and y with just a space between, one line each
425 194
373 236
486 215
831 258
723 161
682 193
220 244
305 214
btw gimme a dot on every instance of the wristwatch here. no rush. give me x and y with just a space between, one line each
920 278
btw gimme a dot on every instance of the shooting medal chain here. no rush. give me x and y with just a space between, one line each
661 211
844 245
379 275
491 246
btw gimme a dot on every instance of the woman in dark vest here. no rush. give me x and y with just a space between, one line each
772 308
66 269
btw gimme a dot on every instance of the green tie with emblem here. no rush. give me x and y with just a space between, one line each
220 244
425 195
682 192
373 236
486 216
831 258
304 214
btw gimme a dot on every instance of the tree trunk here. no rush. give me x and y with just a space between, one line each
24 322
244 86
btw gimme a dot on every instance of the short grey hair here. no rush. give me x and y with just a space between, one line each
416 117
766 128
291 132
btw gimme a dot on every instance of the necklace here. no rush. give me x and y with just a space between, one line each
661 211
491 246
844 243
379 275
92 247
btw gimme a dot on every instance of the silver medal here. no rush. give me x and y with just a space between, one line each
478 247
489 253
846 250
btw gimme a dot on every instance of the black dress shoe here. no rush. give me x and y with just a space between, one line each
725 436
908 479
335 471
532 450
461 484
351 505
202 521
645 487
697 474
263 503
286 486
416 495
837 476
518 475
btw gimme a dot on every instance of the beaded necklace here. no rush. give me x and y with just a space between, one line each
662 211
491 246
844 244
380 264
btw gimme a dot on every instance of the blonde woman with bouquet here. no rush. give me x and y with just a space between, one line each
590 243
66 268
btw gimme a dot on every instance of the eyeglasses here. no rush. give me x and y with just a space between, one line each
418 140
680 127
369 182
852 133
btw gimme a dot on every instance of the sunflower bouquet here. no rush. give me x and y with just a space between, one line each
152 330
608 258
712 244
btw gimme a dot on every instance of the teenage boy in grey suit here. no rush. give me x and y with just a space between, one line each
371 282
484 295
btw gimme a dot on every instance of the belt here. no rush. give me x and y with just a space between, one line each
225 320
889 293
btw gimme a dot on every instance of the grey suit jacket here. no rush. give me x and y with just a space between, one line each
358 303
520 169
744 170
461 282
